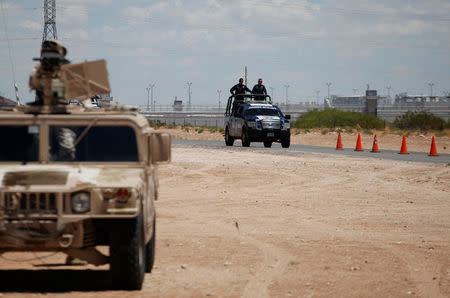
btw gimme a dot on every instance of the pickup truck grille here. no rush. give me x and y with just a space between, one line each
271 124
23 203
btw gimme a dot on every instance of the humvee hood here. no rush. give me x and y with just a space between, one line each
70 176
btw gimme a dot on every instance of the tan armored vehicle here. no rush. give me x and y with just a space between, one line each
73 178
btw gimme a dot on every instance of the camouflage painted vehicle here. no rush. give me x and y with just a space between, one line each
73 178
70 182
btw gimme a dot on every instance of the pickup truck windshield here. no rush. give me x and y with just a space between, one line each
99 143
262 112
19 143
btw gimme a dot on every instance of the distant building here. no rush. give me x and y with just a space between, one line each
177 104
404 98
4 102
354 103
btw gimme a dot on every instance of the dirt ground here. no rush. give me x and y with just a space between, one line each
245 223
387 140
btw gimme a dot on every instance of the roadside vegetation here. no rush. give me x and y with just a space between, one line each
332 118
422 121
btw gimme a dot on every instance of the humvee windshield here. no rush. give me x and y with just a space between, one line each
96 143
19 143
262 112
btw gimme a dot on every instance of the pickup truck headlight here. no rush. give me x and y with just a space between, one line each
286 125
81 202
251 124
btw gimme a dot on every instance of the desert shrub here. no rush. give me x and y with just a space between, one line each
331 118
419 120
368 132
324 131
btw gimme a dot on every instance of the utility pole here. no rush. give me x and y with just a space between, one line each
218 92
431 88
49 20
271 89
189 93
287 98
328 85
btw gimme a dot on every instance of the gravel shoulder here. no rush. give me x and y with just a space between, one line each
246 223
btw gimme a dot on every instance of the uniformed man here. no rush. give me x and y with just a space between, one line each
259 89
238 91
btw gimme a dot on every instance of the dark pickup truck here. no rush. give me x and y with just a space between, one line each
253 118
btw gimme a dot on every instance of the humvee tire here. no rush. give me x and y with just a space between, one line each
229 140
150 251
285 143
267 144
245 140
127 253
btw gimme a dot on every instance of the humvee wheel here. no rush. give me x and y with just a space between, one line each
285 143
127 253
150 250
267 144
229 140
245 141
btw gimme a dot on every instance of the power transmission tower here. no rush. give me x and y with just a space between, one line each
431 89
218 92
272 89
49 20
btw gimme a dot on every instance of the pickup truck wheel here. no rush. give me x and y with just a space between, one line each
229 140
150 250
267 144
127 253
245 141
285 143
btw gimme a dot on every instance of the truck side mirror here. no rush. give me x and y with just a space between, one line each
159 147
288 117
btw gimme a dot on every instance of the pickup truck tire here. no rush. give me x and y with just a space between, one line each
285 143
229 140
245 140
127 253
267 144
150 250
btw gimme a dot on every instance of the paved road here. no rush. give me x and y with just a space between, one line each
304 149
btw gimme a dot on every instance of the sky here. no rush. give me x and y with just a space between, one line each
302 44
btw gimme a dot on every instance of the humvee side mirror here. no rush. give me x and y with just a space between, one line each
159 147
288 117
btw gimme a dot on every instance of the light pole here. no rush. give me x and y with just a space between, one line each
218 92
431 88
271 89
328 85
151 96
287 97
148 98
189 93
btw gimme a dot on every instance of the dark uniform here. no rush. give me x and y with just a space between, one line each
259 89
237 90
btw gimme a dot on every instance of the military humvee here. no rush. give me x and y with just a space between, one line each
73 178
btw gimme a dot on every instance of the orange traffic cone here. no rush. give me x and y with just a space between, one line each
339 143
375 145
358 143
433 150
404 150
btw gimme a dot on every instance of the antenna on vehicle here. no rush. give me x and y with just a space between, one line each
245 75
